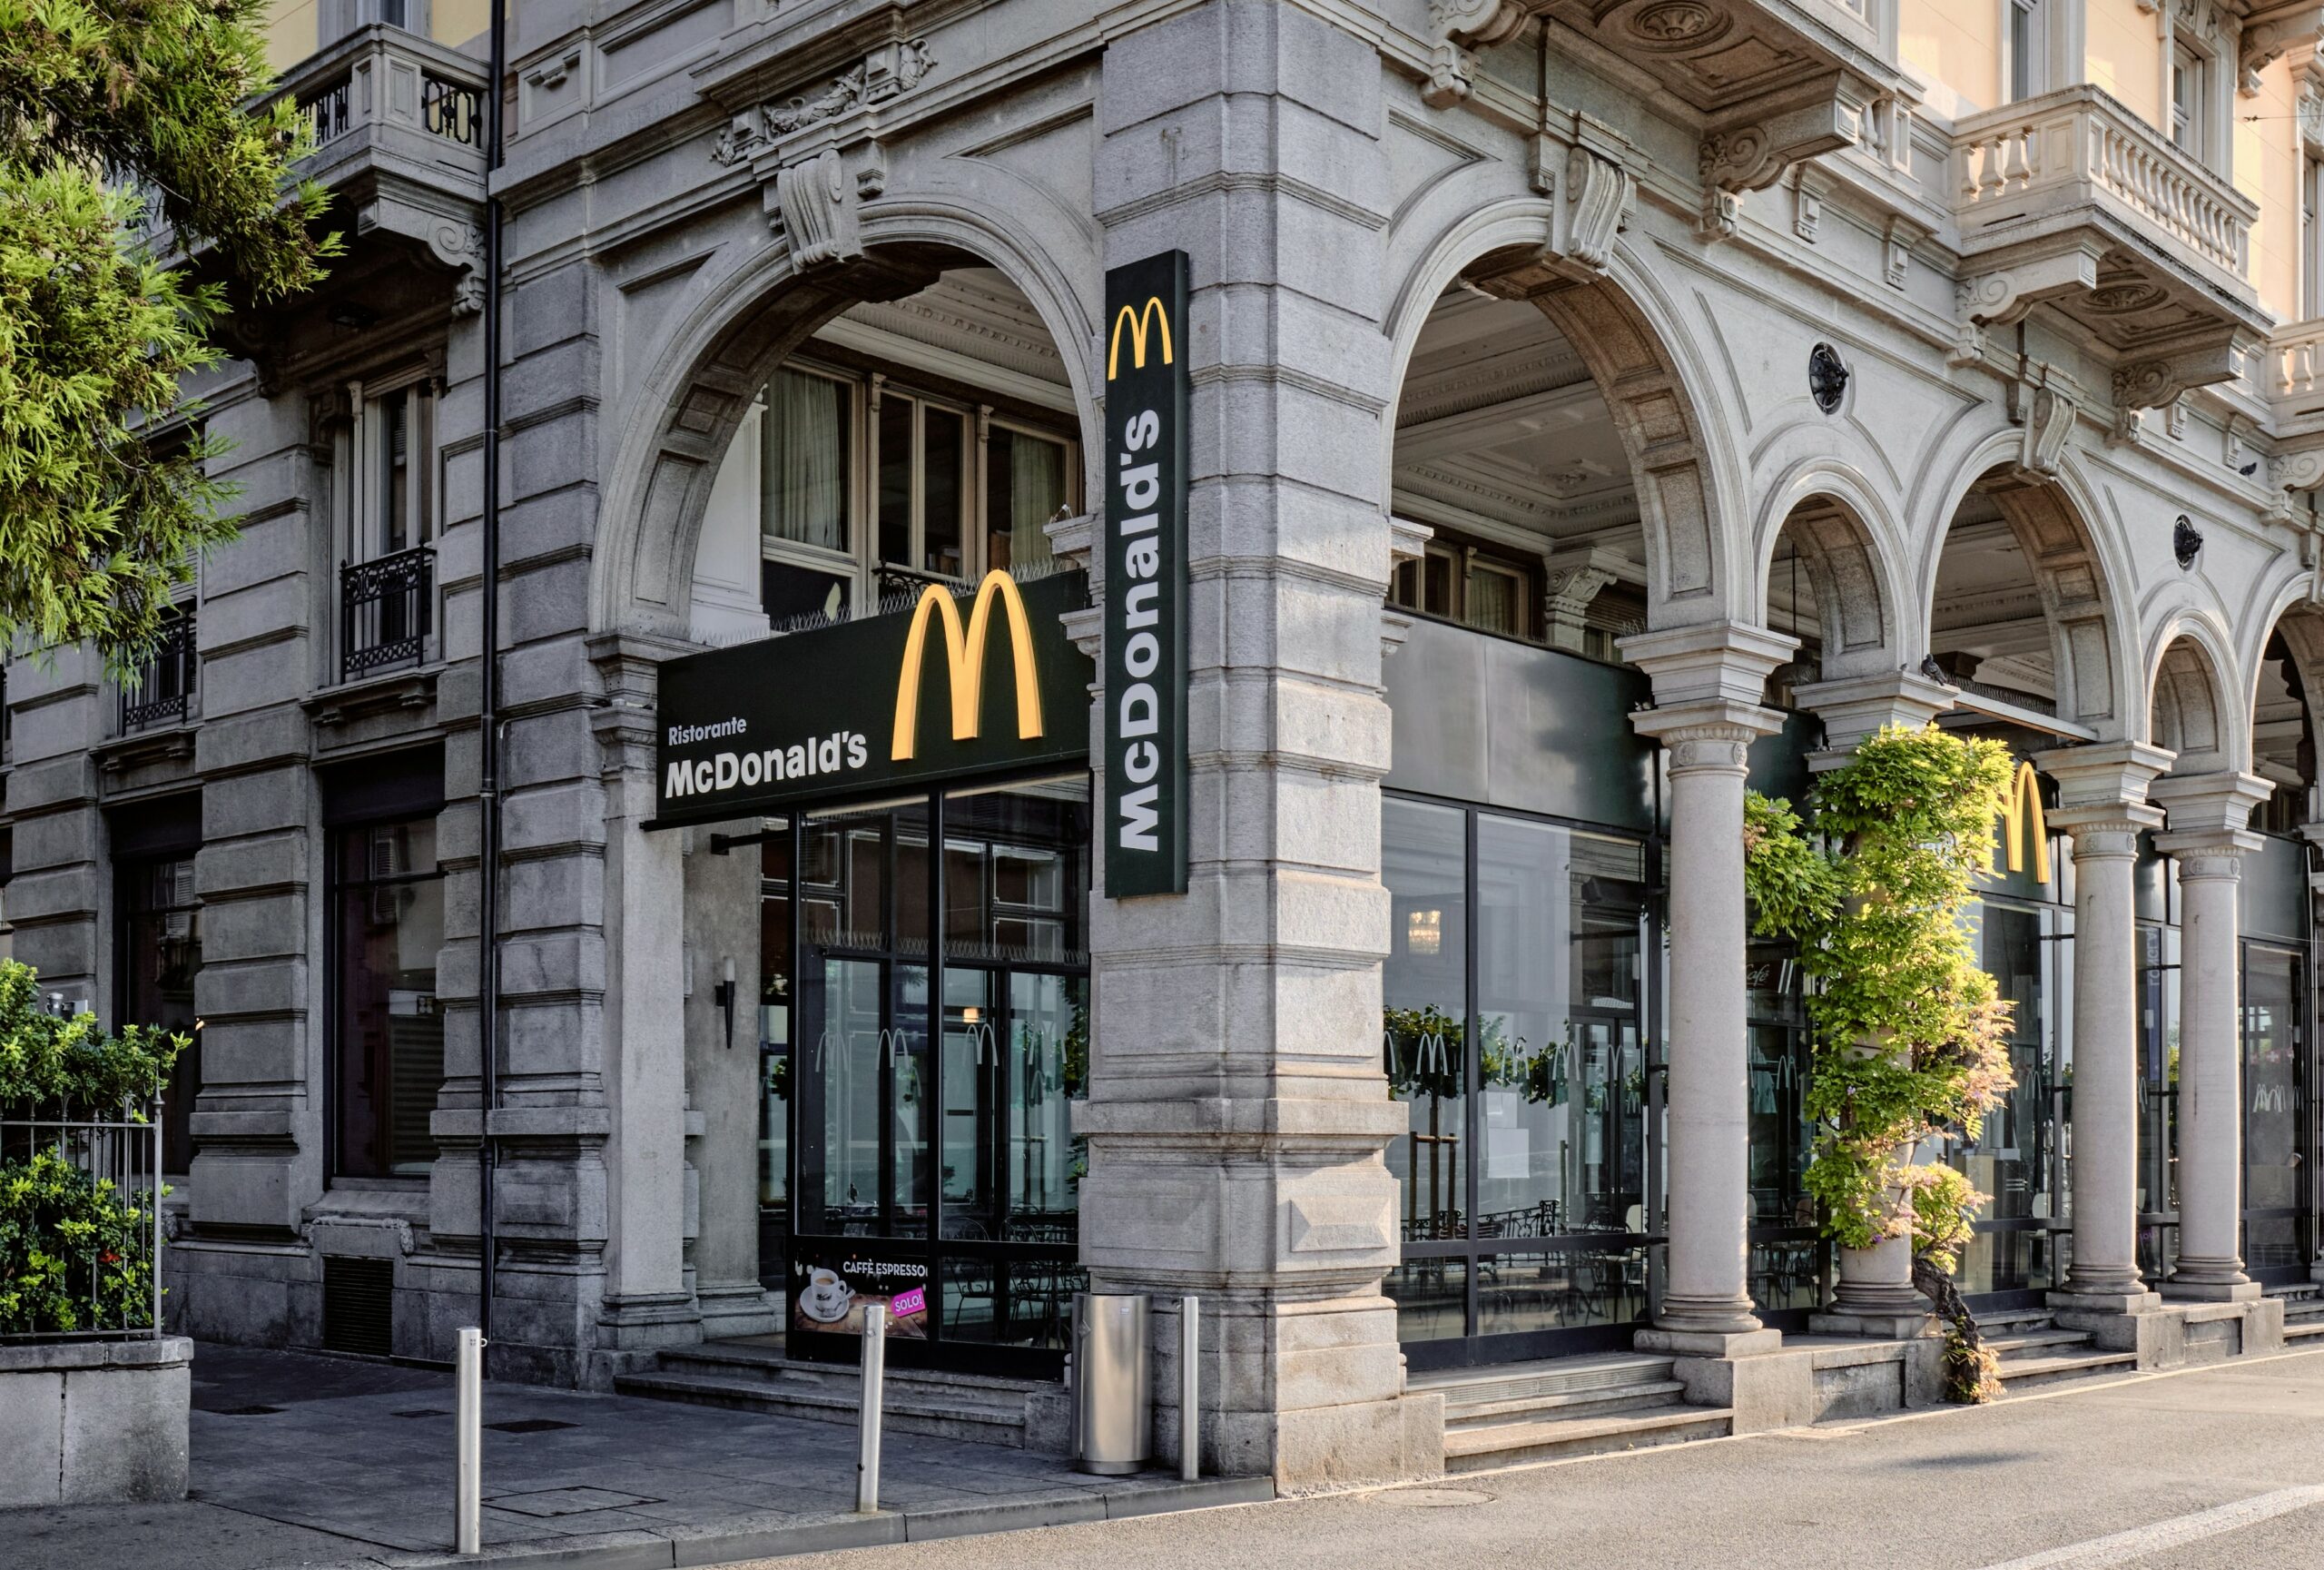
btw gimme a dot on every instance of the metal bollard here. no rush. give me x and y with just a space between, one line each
875 1374
469 1502
1190 1388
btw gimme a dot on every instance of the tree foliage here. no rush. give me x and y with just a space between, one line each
118 117
1908 1033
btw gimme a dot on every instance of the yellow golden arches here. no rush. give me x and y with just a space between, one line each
964 661
1140 319
2022 819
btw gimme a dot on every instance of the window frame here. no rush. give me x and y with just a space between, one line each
1460 557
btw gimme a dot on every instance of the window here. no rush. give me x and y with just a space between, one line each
391 500
2312 201
2028 67
159 954
388 922
344 16
869 485
1477 585
2189 69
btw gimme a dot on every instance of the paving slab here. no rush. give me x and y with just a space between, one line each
305 1461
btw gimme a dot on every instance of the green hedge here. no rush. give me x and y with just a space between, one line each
76 1253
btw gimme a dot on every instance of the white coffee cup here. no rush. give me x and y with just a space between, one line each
827 1297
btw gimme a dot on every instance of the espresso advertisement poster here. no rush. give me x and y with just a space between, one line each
830 1288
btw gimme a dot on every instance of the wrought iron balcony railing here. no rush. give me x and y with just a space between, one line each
158 694
386 611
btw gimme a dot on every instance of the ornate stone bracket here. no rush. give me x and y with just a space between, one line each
1991 300
2271 32
2159 380
1456 28
1754 151
810 195
1572 580
459 245
2046 418
2300 470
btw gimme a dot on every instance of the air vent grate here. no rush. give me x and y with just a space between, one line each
359 1304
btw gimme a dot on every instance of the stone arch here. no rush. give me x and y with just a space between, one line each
2296 619
739 324
1626 334
1830 517
2190 710
2048 513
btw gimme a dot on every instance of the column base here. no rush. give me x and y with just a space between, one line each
1877 1326
1709 1343
2135 1302
2242 1291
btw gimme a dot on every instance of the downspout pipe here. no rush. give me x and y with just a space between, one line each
488 999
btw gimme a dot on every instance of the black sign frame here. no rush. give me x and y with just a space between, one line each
1143 812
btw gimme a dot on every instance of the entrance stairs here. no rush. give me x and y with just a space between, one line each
1565 1408
2303 1311
753 1375
2035 1351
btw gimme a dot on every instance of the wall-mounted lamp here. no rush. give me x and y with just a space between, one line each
723 992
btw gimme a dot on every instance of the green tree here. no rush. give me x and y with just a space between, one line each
1908 1035
106 107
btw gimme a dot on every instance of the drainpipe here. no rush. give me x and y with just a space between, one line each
487 999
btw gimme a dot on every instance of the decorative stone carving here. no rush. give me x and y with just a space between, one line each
2047 416
2174 419
1598 193
1571 580
817 203
1456 28
459 245
885 73
2271 32
2000 298
1753 154
1809 189
1897 250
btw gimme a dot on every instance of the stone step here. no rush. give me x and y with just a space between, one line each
2022 1373
2026 1340
1572 1403
2011 1322
1501 1444
904 1410
1553 1377
742 1360
2303 1329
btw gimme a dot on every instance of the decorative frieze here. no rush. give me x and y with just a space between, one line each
886 73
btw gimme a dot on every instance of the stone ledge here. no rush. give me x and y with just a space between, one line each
68 1356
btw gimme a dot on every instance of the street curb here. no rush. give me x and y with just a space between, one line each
650 1550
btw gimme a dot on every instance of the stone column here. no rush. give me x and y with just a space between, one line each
1707 681
2102 804
2209 839
1237 1110
1874 1294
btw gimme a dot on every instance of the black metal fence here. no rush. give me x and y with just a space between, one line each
385 610
329 112
85 1203
158 693
451 110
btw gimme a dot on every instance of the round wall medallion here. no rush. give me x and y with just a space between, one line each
1827 377
1675 23
2122 299
2186 541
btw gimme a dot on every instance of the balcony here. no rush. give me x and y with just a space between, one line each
399 123
160 691
2071 201
386 611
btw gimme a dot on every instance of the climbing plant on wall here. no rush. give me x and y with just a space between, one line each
1907 1034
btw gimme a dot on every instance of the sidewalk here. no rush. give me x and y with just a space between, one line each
301 1460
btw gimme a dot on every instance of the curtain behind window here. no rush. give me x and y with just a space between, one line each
1036 491
806 483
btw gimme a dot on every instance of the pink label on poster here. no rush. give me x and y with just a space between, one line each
912 1302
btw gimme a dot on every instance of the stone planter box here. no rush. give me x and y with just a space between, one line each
94 1422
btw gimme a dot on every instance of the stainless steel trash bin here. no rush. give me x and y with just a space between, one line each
1112 1407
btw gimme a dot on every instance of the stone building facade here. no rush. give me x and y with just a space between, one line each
1802 364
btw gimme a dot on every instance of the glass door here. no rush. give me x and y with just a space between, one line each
1788 1257
2158 1191
2275 1115
2020 1162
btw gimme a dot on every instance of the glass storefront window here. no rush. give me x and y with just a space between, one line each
2274 1109
2158 1197
388 919
2020 1162
161 936
1424 989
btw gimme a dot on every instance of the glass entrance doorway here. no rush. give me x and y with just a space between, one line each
942 1031
2277 1206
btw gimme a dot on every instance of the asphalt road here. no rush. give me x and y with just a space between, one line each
2217 1468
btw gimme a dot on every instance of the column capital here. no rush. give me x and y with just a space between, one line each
1712 734
1721 660
2209 812
2103 786
1854 708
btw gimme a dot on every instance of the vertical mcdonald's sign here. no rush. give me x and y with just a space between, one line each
1144 818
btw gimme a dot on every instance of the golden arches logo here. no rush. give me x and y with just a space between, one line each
1139 319
2022 819
964 661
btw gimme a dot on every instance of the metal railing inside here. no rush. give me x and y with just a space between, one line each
330 112
93 1269
386 610
451 110
158 693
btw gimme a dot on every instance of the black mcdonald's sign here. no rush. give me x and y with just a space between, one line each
1143 813
903 699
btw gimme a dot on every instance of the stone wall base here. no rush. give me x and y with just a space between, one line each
92 1423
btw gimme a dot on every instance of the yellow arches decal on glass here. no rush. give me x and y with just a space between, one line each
1149 315
964 661
2022 819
